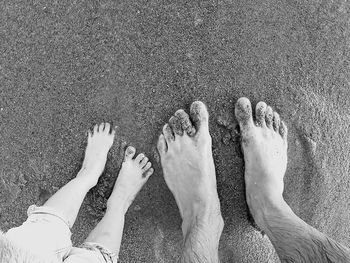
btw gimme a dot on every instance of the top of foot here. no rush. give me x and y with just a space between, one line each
264 145
132 176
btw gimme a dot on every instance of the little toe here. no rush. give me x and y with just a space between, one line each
139 157
107 127
200 116
175 124
185 121
168 133
148 173
243 112
260 112
147 166
276 122
283 130
113 131
162 145
143 162
129 153
269 117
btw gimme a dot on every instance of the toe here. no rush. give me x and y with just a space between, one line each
146 167
129 153
113 131
243 112
269 117
143 162
101 127
162 145
89 135
283 130
175 125
200 116
107 127
95 129
148 173
185 121
260 112
168 133
139 157
276 122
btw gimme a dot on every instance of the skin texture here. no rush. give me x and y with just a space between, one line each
132 176
189 171
100 140
264 144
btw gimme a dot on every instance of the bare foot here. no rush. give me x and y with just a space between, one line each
188 167
264 145
132 176
100 140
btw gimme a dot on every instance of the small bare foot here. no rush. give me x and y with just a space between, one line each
188 167
100 140
264 145
132 176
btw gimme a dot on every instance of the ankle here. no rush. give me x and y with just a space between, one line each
85 180
117 203
87 177
265 208
206 218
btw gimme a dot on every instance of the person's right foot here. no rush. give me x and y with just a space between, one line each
132 176
264 145
188 166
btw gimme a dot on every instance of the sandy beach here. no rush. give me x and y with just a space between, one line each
66 65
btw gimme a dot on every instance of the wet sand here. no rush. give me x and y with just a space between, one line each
65 66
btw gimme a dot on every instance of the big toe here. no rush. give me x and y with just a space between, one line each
129 153
243 112
200 116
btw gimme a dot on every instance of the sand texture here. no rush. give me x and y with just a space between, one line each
65 65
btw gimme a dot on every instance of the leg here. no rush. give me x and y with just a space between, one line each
46 233
132 176
73 193
189 172
264 145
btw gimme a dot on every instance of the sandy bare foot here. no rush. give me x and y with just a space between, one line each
188 166
100 140
264 145
132 176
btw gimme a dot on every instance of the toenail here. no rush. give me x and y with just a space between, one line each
129 150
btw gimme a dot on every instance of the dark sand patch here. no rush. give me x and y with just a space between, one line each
65 66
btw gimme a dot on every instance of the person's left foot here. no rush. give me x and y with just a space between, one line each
100 140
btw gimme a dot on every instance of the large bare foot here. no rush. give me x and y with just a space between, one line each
100 140
264 144
132 176
188 167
